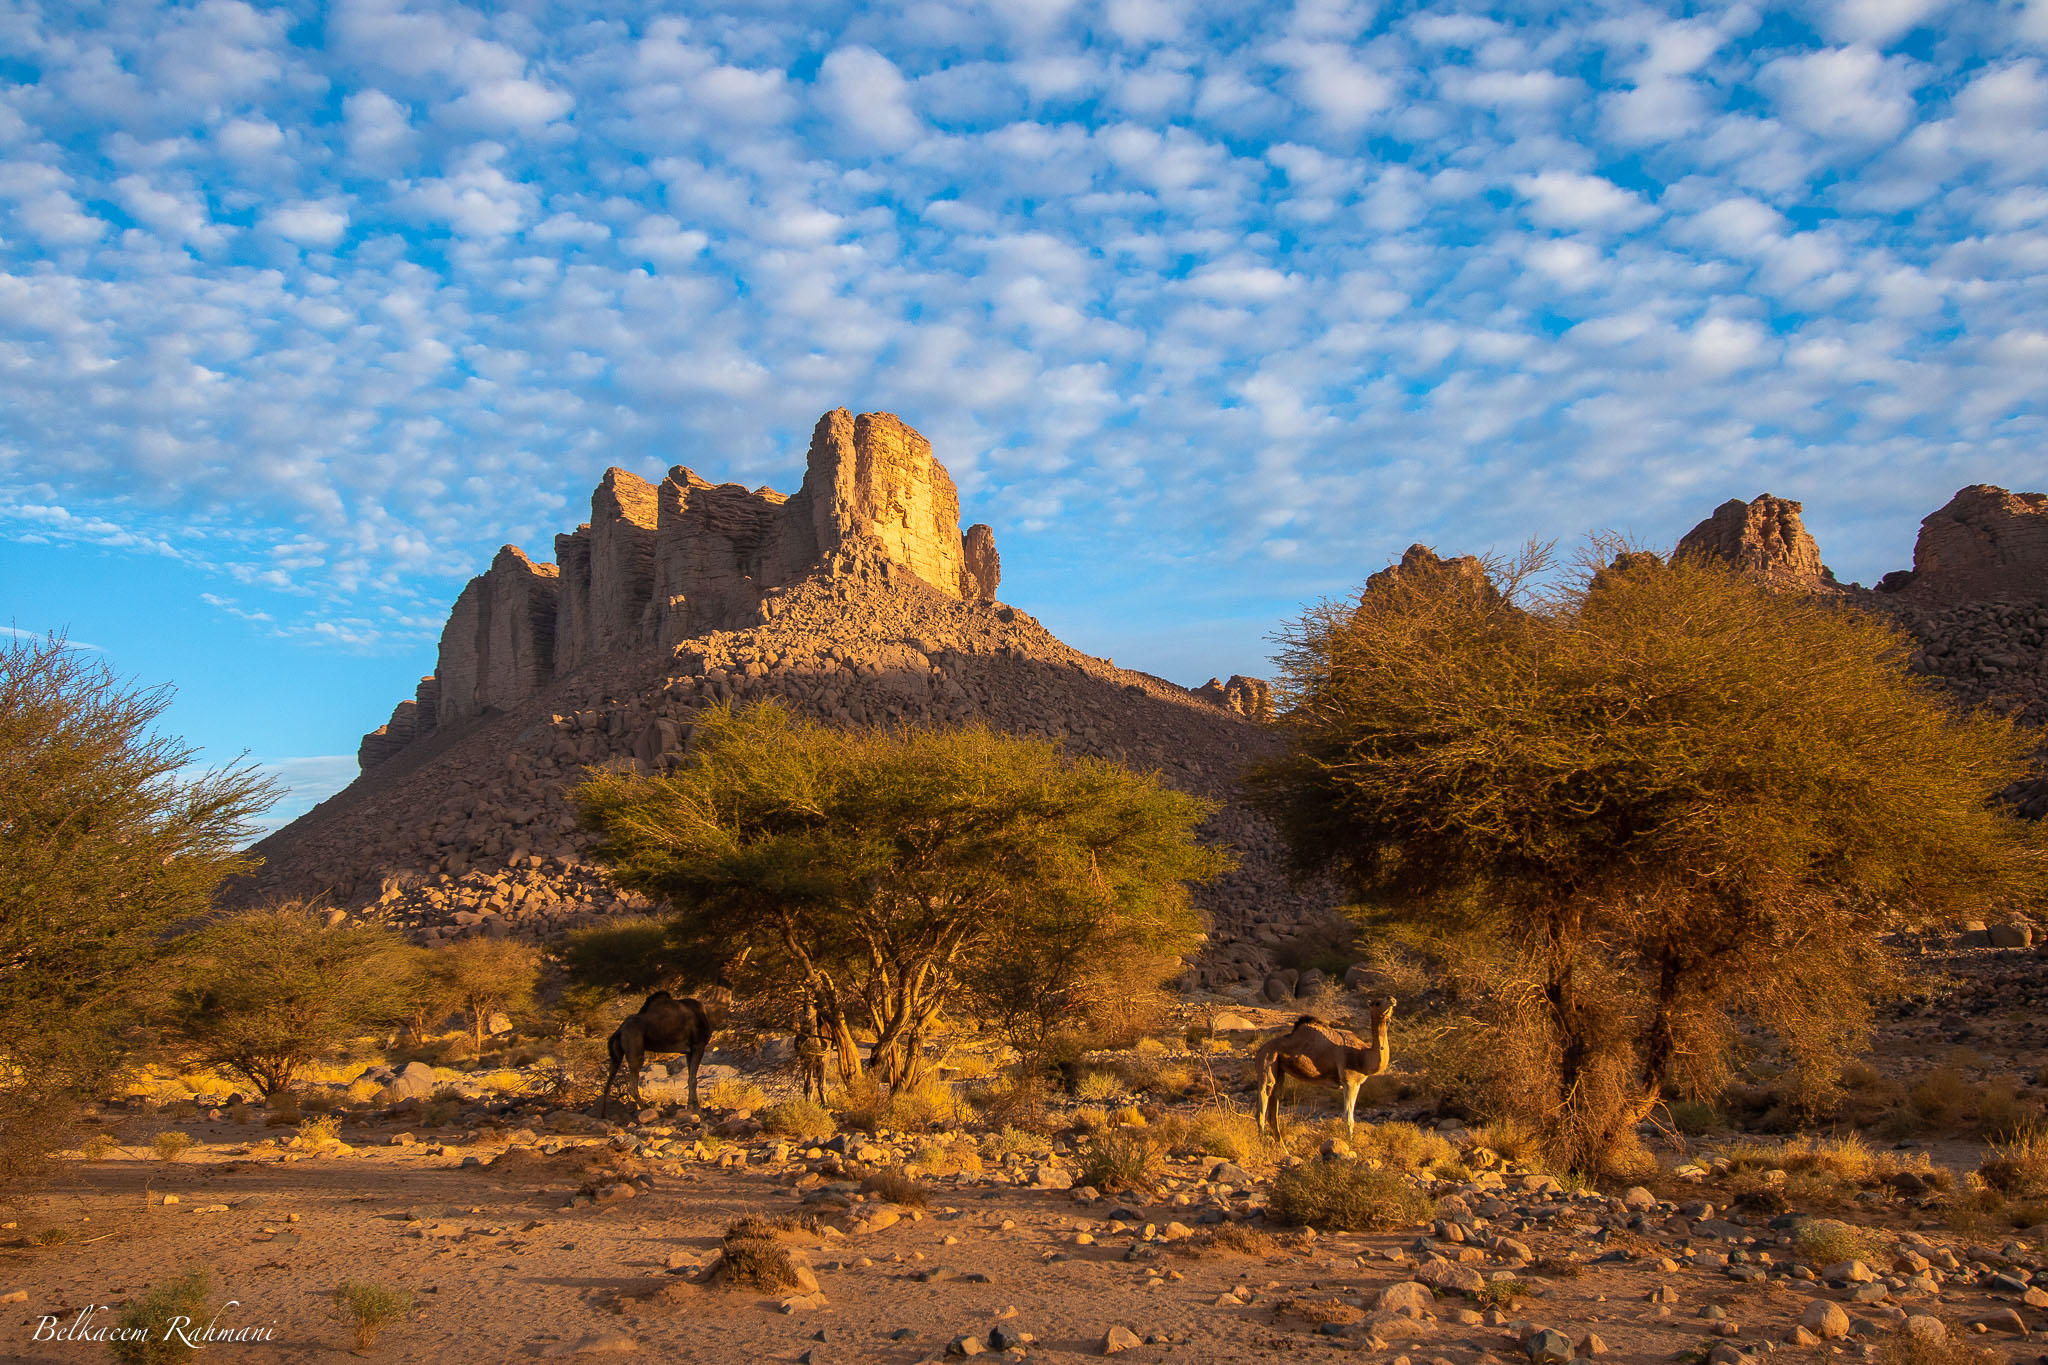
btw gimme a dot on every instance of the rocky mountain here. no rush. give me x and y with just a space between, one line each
1764 536
856 600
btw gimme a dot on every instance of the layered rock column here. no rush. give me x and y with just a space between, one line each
1764 537
499 645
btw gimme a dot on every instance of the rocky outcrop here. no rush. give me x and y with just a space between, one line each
387 739
981 568
654 567
1251 698
1986 543
1420 564
498 647
872 478
1765 537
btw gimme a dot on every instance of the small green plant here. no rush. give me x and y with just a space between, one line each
1347 1196
170 1144
370 1308
52 1237
1694 1117
896 1187
1011 1141
151 1329
802 1118
1119 1160
98 1147
1503 1293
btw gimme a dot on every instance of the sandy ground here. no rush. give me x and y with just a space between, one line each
505 1272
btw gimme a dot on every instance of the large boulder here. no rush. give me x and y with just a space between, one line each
1764 537
416 1082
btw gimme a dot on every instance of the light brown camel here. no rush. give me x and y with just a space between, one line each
1326 1055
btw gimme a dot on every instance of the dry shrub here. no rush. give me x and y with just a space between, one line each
1347 1196
326 1128
736 1095
1908 1348
754 1255
170 1144
892 1184
1826 1241
1119 1160
867 1107
1227 1239
2003 1112
2018 1167
1405 1147
370 1307
1094 1087
1509 1140
1942 1096
1227 1134
802 1118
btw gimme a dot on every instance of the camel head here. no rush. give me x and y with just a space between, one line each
1383 1011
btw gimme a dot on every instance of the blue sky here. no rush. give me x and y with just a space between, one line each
1210 309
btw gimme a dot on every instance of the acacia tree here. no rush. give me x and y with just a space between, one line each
1652 800
269 990
107 838
488 975
880 872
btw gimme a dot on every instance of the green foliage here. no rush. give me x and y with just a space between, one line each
1653 796
370 1307
886 875
170 1145
270 990
488 975
146 1327
106 840
1347 1196
632 955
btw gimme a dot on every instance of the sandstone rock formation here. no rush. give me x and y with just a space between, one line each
1765 537
981 568
856 601
1986 543
1419 563
1251 698
656 566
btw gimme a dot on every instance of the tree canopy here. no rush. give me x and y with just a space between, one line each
108 837
1664 792
886 874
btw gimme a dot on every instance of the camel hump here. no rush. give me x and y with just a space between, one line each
1310 1019
658 998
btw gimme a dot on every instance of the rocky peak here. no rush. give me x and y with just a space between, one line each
1251 698
658 565
1764 537
1420 564
1985 543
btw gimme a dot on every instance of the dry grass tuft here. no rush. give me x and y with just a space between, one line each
1120 1160
898 1188
1347 1196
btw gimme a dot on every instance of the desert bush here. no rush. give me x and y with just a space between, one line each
145 1324
2018 1167
1009 1141
753 1254
798 1118
53 1237
1227 1239
1225 1133
1589 792
370 1308
1826 1241
630 955
1942 1096
736 1095
864 1105
1095 1087
1693 1117
1949 1348
892 1184
99 1147
1119 1160
325 1128
109 836
1510 1140
270 990
1347 1196
170 1144
1404 1147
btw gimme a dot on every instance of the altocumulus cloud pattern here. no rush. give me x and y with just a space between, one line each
332 298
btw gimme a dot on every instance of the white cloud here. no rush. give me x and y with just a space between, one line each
1331 84
1877 21
1570 199
1851 93
863 93
309 223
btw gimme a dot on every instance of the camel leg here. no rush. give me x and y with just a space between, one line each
1352 1082
691 1058
605 1100
636 1058
1269 1104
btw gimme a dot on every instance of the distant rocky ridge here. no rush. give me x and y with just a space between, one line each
1975 601
857 601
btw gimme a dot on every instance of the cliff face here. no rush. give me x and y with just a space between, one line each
655 566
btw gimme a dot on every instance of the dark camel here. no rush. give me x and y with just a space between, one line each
1325 1055
661 1024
